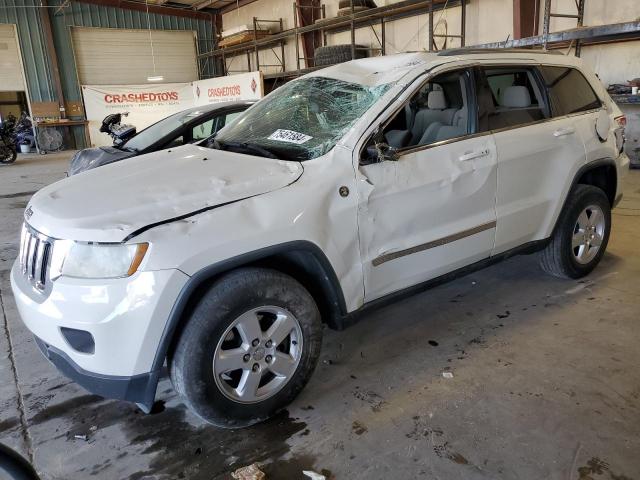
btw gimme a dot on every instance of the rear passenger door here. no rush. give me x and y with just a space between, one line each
571 95
537 152
431 210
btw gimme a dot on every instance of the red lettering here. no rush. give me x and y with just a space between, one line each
233 90
144 97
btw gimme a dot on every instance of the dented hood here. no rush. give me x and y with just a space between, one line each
110 203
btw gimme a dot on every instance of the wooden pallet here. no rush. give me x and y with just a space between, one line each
242 37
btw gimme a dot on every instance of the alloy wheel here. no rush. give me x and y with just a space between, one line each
257 354
588 234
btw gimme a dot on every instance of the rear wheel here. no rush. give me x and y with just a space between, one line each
581 236
248 349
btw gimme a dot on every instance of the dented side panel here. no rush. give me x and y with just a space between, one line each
426 214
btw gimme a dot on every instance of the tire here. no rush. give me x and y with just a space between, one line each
14 467
356 3
336 54
8 155
560 258
343 12
241 296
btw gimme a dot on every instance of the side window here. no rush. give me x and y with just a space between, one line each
202 131
437 111
569 91
515 95
224 120
176 142
230 118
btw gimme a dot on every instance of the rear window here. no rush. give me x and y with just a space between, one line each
569 91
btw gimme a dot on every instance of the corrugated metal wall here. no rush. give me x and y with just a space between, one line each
26 15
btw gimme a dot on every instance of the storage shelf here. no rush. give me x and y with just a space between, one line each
343 23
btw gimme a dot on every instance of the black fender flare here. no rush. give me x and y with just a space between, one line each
602 162
318 264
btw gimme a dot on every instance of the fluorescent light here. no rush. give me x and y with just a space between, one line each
155 78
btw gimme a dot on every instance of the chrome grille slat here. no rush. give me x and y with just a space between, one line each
44 264
37 265
25 264
31 259
35 253
23 247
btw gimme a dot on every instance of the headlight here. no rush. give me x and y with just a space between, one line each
96 260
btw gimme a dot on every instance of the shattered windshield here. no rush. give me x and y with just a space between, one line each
301 120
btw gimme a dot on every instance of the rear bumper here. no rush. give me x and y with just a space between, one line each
140 389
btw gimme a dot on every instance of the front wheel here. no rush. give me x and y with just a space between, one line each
249 347
581 236
8 154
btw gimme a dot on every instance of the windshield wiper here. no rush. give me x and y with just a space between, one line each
250 147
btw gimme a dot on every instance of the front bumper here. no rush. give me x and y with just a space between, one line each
125 317
140 389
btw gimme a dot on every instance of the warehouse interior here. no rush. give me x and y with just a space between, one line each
503 372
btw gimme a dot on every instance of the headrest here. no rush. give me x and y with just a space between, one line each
516 97
436 100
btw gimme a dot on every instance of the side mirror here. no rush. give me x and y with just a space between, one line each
378 150
386 152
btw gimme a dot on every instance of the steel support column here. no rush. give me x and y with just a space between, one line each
306 10
525 18
53 56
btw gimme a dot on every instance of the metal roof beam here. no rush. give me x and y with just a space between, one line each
612 31
161 10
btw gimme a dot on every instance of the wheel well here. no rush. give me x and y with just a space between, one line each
307 269
303 261
604 177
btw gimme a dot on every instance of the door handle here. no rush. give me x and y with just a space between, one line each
563 132
475 154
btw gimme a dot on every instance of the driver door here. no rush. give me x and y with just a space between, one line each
431 210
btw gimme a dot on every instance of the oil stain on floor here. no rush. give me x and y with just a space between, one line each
178 448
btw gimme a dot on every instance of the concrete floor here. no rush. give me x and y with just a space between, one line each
545 383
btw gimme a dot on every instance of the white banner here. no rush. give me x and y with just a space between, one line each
146 104
243 86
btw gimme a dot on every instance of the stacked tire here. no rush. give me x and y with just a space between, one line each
344 7
337 54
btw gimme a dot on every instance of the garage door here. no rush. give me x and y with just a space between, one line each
107 56
10 65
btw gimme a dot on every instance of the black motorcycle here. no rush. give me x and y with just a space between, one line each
8 151
23 131
120 132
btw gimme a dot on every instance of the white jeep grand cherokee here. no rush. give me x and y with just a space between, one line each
338 190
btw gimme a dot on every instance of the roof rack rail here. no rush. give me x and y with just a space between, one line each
479 51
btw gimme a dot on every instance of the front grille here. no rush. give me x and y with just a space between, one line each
35 253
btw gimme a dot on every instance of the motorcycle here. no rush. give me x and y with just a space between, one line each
23 131
8 150
112 125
